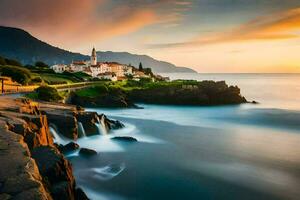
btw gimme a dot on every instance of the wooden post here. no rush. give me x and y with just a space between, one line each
2 85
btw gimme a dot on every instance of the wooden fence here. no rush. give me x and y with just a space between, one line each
13 88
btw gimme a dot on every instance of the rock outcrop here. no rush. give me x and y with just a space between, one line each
34 129
101 96
38 170
89 121
68 148
19 175
56 172
189 93
64 123
124 139
87 152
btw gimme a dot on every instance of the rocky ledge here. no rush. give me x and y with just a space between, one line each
32 167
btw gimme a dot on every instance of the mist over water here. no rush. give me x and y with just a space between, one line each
188 152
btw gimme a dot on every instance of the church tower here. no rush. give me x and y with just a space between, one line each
94 57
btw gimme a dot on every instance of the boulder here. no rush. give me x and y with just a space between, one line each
87 152
80 195
68 148
56 172
111 124
66 124
88 121
125 139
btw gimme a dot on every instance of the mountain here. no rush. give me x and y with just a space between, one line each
147 61
20 45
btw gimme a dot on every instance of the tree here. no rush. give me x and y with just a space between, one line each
140 67
47 93
148 71
2 61
41 64
18 74
13 62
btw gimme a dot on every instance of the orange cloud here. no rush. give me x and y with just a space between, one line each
278 26
79 22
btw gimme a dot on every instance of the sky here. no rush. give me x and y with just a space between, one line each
210 36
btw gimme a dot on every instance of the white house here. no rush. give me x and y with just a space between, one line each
95 70
128 70
108 76
79 66
59 68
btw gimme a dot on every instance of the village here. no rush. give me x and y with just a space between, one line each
108 70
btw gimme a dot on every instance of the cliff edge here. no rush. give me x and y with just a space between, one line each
31 165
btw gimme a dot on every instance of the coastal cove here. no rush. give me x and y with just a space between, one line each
246 151
242 151
149 100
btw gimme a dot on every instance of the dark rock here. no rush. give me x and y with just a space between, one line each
79 108
56 172
5 196
87 152
66 124
112 124
124 138
71 146
254 102
189 93
80 195
88 121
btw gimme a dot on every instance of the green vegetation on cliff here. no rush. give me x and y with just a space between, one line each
188 93
181 92
102 95
38 73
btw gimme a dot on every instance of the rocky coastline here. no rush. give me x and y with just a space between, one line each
32 165
194 93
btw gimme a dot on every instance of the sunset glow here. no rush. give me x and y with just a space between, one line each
208 36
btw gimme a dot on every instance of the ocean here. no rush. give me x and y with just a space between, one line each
249 151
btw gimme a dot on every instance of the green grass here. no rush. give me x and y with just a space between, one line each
32 95
88 92
52 79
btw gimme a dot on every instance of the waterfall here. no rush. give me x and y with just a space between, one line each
81 130
57 138
101 126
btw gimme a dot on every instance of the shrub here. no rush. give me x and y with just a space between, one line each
18 74
47 93
41 64
2 61
13 62
36 80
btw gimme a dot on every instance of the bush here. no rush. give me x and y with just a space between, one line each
148 71
36 80
13 62
2 61
18 74
40 64
47 93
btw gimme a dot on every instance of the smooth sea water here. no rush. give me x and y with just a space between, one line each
183 152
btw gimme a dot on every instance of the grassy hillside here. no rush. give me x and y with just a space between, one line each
37 74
